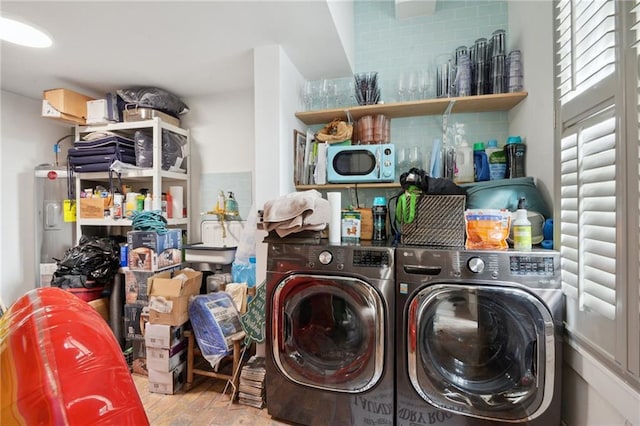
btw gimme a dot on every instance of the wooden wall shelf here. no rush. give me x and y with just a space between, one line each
467 104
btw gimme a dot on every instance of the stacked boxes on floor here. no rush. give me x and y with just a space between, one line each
169 295
149 252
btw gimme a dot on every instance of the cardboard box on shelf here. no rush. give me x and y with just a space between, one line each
65 105
167 359
94 208
150 251
136 285
167 382
169 296
163 336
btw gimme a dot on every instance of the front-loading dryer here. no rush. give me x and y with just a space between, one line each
330 324
478 337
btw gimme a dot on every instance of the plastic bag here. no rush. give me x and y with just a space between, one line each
487 229
153 97
215 321
172 151
92 263
244 272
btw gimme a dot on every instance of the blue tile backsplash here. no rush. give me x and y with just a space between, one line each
392 46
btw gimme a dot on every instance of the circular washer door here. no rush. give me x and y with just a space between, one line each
482 351
328 332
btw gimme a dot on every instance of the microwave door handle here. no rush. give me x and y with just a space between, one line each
378 159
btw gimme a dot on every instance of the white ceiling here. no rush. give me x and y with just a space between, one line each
188 48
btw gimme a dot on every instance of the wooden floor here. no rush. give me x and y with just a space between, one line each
203 405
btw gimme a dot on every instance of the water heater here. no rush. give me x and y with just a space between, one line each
53 235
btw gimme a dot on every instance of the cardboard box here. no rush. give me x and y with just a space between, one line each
94 208
161 359
102 306
136 285
167 382
169 297
163 336
150 251
136 316
65 105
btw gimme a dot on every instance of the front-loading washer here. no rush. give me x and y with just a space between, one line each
329 337
479 337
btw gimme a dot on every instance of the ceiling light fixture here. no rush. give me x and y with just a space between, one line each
22 34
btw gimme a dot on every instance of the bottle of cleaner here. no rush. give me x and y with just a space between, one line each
464 163
497 160
379 213
480 162
515 152
521 228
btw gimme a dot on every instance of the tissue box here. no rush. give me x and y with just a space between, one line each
101 111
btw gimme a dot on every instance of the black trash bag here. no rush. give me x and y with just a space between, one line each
92 263
155 98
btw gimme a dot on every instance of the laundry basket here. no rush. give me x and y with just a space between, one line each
438 222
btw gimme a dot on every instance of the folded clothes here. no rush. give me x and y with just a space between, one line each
296 212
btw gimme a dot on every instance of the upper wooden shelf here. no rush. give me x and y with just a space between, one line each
481 103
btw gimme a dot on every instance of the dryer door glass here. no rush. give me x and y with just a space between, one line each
480 350
328 332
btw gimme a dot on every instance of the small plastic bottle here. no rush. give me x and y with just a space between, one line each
379 213
169 206
117 206
163 205
521 229
147 202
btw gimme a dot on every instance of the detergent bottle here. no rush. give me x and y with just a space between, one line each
480 162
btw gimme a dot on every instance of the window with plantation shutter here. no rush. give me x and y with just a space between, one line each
599 176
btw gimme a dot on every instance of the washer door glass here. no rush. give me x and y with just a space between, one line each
483 351
328 332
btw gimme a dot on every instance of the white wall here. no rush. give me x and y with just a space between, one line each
534 116
27 141
222 140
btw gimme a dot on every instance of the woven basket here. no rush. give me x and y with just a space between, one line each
439 221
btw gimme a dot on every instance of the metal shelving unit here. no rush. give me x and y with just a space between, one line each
155 176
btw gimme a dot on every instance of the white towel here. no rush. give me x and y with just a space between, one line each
296 212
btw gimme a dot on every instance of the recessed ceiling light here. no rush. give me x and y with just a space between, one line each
22 34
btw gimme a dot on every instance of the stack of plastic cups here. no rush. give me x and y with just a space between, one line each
480 68
462 72
514 66
463 76
498 62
